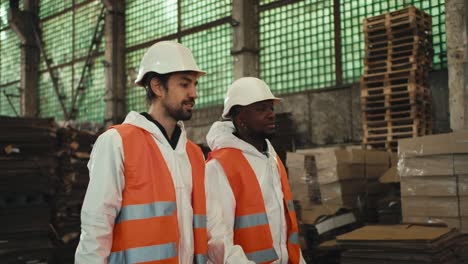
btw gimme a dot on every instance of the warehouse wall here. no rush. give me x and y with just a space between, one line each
298 51
328 116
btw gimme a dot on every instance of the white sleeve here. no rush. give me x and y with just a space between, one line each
103 199
221 207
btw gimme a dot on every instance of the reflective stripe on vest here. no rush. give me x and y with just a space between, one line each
250 220
144 254
199 221
290 205
294 238
142 211
262 256
200 258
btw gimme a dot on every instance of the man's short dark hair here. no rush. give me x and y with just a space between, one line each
163 79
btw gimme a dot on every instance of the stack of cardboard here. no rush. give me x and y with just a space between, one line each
337 177
402 244
27 177
434 179
331 185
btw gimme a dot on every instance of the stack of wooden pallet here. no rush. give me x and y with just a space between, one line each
27 182
395 99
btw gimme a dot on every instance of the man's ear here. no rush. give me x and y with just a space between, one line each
156 87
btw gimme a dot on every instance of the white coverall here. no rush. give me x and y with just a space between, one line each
221 203
104 195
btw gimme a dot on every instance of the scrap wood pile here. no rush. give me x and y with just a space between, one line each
28 179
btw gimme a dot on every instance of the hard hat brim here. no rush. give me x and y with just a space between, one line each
227 116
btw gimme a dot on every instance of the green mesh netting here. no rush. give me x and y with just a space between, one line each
297 47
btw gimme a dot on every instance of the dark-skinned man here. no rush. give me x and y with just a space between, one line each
250 211
145 201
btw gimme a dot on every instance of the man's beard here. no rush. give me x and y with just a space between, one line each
179 114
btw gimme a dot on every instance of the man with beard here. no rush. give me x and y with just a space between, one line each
250 210
145 201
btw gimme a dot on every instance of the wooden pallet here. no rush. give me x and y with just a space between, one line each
386 101
414 112
410 49
369 125
393 25
397 115
395 78
401 33
389 89
397 18
385 121
384 65
422 114
403 64
423 40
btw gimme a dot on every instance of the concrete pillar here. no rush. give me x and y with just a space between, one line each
115 61
245 47
23 23
456 13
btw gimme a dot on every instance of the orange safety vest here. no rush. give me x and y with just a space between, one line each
146 229
251 229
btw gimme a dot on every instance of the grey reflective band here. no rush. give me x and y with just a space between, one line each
294 238
199 221
263 255
290 205
143 211
144 254
200 259
250 220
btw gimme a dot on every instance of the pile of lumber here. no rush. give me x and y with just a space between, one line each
28 178
76 142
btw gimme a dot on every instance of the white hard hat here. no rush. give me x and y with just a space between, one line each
245 91
166 57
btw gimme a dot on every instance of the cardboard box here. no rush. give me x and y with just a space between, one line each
434 186
310 214
302 176
433 165
299 160
375 171
376 157
434 206
390 176
346 201
451 143
299 183
342 188
339 172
